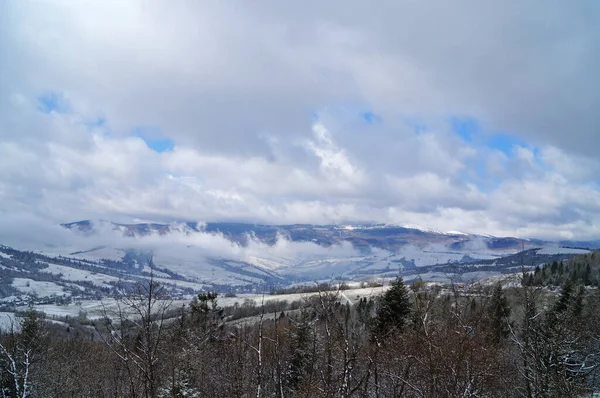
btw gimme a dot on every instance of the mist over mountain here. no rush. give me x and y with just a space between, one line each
238 255
392 237
93 258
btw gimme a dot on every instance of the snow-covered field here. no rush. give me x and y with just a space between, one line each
562 250
42 289
352 295
202 270
94 309
76 274
100 279
95 254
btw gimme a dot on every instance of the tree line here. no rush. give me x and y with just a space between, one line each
583 270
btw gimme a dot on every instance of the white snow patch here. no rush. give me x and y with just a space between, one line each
77 275
7 320
42 289
562 250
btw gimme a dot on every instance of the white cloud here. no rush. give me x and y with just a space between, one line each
235 87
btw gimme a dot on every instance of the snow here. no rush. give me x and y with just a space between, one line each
179 283
91 254
147 269
351 295
94 309
431 257
507 280
353 266
418 228
562 250
270 263
8 319
442 277
42 289
201 270
76 275
99 279
9 299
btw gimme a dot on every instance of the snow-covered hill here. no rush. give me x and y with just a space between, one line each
97 256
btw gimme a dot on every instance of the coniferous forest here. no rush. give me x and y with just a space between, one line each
537 339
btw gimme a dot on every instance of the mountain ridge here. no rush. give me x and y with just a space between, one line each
388 236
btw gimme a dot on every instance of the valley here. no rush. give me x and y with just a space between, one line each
104 258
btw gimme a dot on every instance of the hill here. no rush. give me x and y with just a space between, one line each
583 270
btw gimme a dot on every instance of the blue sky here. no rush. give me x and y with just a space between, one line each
53 101
154 139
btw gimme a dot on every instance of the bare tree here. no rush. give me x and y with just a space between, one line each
135 332
22 349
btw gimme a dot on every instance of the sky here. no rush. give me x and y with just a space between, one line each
473 116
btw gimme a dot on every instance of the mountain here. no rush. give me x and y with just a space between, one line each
382 236
101 257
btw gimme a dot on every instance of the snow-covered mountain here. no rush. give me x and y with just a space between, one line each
207 251
391 237
188 256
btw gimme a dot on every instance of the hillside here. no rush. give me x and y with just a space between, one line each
102 256
583 270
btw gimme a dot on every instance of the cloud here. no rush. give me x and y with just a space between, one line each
189 253
475 117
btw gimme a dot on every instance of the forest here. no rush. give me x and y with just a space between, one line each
540 338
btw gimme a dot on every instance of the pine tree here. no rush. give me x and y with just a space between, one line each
300 358
561 268
576 307
498 314
394 309
565 297
586 275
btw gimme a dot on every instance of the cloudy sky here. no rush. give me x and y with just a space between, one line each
477 116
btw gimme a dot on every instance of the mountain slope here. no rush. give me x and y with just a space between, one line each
382 236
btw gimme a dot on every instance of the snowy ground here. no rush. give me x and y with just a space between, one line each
562 250
351 295
202 270
42 289
76 275
94 309
6 320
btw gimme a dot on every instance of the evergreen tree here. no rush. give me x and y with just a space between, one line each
300 359
586 275
530 281
394 309
565 297
554 268
561 268
498 315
